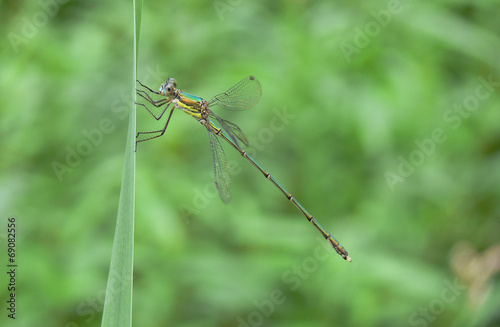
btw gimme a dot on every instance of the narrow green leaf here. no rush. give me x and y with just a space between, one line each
118 303
137 32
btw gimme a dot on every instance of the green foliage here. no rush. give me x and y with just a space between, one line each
381 118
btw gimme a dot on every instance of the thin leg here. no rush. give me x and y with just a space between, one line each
152 132
144 86
152 114
146 96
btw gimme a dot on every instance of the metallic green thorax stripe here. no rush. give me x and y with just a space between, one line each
189 103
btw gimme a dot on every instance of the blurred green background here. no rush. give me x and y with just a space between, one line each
389 135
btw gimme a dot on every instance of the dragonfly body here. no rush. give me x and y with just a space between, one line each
242 96
190 104
197 108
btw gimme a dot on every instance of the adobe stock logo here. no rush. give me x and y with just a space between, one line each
31 27
292 279
92 139
90 309
221 7
425 148
453 116
120 107
426 315
372 29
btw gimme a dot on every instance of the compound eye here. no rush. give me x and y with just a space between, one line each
166 89
170 89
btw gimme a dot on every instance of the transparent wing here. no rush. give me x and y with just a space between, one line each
222 172
230 129
242 96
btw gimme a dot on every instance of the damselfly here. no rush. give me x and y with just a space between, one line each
242 96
